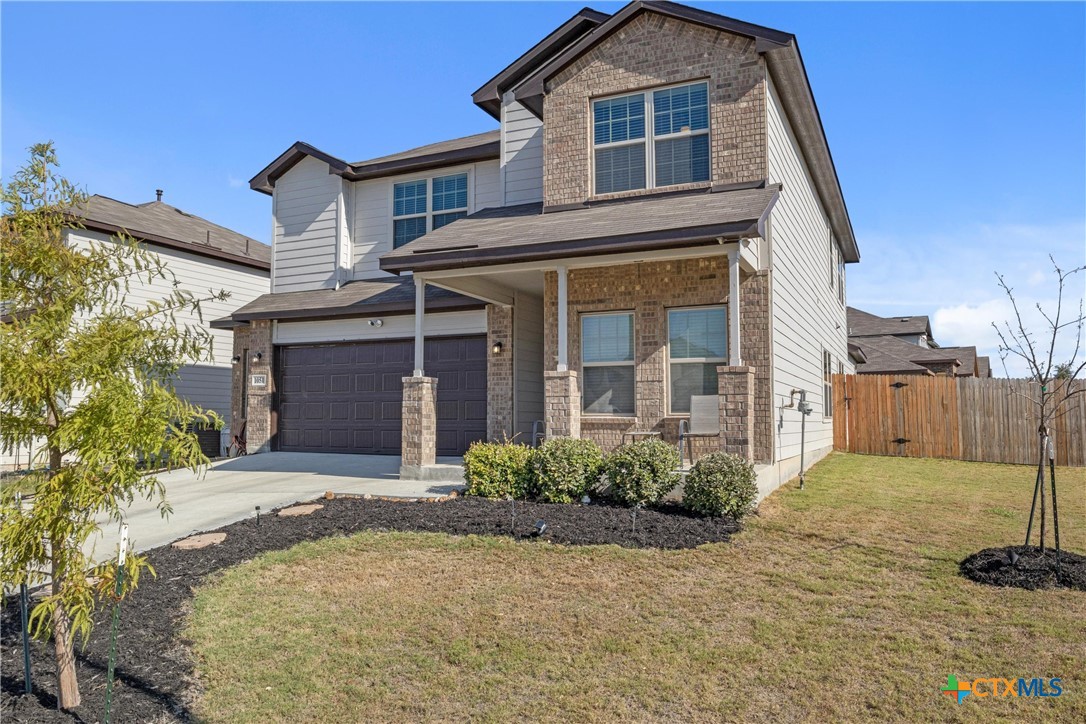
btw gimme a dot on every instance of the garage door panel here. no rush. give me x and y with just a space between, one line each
349 397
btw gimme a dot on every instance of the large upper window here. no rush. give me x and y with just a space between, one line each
697 343
827 384
607 361
427 204
673 148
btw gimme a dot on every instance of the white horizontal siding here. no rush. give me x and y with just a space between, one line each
305 223
522 154
206 383
807 316
392 327
372 225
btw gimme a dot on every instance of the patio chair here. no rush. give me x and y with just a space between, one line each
538 435
237 444
704 422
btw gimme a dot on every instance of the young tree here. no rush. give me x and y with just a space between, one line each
1058 381
86 373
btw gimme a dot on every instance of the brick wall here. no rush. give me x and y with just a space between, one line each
259 425
648 289
654 50
499 373
419 422
562 410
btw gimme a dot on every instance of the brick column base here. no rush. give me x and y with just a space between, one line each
735 386
419 431
259 427
562 413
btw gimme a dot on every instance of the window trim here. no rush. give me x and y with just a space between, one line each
430 213
827 384
650 138
668 361
622 363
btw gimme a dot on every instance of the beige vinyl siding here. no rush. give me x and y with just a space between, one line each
807 316
527 364
305 212
372 224
522 154
206 384
392 327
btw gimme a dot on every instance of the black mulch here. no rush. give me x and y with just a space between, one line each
1032 570
154 669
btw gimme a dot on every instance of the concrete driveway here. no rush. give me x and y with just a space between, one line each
231 489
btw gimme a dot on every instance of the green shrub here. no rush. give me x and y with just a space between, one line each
721 484
566 468
498 469
644 471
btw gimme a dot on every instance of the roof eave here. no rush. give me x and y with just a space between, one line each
150 238
651 241
264 181
359 310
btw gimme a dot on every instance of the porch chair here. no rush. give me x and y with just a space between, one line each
237 444
704 422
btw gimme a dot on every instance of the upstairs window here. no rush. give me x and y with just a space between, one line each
427 204
631 154
827 384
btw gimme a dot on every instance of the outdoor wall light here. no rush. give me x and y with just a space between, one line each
376 322
496 348
235 359
258 356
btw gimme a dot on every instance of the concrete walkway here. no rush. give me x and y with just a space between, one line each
231 490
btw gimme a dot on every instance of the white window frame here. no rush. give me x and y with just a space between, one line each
621 363
840 275
668 361
650 135
430 213
827 384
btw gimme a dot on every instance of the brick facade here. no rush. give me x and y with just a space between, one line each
735 386
419 426
653 50
649 289
562 412
259 425
499 373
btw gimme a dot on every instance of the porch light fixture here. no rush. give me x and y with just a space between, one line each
376 322
258 356
496 348
235 359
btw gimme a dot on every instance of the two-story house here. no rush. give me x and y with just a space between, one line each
904 345
657 218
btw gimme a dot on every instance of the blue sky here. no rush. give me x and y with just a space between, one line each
958 129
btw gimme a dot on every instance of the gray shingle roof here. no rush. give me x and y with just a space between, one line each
865 324
365 296
889 354
984 367
522 232
454 144
968 358
157 222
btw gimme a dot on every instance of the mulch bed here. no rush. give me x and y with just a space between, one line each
1032 571
154 674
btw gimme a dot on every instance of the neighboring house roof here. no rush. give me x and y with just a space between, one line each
856 354
525 233
387 295
891 355
984 367
865 324
786 68
968 357
159 223
468 149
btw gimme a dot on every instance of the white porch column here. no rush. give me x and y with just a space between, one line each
420 309
734 356
563 320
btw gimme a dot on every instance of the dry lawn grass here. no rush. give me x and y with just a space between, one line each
841 602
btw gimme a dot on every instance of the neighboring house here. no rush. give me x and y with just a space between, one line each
657 217
202 256
904 345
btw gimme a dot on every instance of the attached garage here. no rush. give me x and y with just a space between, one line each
347 397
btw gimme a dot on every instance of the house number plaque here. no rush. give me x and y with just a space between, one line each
258 380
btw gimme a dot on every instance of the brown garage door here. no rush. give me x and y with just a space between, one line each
346 398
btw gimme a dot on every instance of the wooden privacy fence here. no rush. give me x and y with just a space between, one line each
968 418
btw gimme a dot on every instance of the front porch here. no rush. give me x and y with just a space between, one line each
629 375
